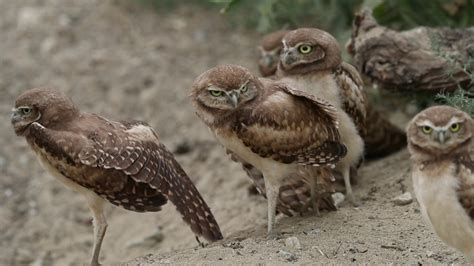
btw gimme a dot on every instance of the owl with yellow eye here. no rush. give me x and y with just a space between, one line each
440 141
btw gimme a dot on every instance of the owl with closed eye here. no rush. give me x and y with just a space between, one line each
440 141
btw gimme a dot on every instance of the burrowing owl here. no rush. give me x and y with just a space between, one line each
311 61
381 137
440 140
283 132
104 160
270 48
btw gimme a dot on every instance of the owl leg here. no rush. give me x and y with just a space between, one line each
313 202
315 198
272 191
347 183
96 205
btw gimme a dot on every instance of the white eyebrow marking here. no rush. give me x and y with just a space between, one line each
437 128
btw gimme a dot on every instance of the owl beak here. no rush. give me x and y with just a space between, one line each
234 98
288 57
15 115
267 60
441 136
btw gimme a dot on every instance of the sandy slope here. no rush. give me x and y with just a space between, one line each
122 60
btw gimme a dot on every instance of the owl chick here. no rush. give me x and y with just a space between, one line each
381 137
270 48
311 61
440 141
282 132
123 163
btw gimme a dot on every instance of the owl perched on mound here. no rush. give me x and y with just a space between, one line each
440 141
282 132
123 163
311 61
381 137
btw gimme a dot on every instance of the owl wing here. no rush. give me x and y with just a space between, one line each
354 100
291 126
128 163
466 184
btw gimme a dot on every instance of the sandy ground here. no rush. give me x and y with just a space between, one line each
125 61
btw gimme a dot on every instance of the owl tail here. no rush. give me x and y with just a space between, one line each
382 138
192 207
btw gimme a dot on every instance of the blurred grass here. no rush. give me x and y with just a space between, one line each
336 17
333 16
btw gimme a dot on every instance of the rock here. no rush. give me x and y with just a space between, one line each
287 255
338 198
313 232
293 242
404 199
233 245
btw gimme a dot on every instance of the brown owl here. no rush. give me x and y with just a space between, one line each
270 48
311 61
282 132
440 141
123 163
381 137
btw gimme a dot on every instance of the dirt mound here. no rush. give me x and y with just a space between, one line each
125 61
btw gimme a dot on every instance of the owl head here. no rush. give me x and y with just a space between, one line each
270 48
43 105
223 90
308 49
439 131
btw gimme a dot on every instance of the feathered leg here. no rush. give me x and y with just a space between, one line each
272 189
347 183
96 205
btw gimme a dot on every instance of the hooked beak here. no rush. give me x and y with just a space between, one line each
15 115
267 60
233 98
441 136
288 57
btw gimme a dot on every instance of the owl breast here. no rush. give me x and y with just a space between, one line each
320 85
268 166
436 192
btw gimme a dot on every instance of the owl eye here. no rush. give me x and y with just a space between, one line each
426 129
244 88
455 127
26 110
215 93
305 49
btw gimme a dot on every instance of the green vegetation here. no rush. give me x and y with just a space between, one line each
460 99
336 17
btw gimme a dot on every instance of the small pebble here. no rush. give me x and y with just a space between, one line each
287 255
338 198
293 242
403 199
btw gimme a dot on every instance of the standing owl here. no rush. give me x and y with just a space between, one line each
123 163
440 141
311 61
381 137
282 132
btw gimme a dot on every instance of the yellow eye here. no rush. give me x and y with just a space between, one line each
215 93
455 127
244 89
305 49
426 129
